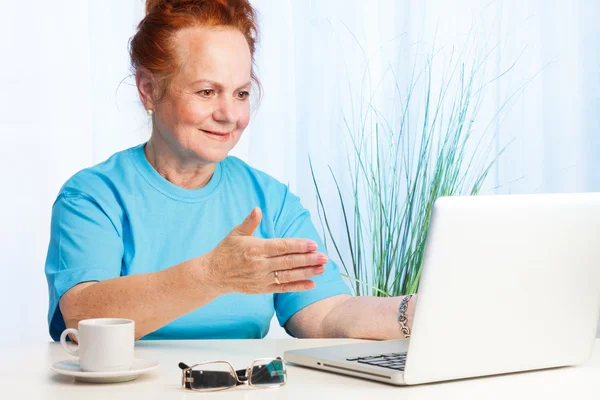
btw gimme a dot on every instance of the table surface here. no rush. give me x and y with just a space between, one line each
26 374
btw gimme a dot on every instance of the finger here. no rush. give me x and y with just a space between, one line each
299 274
248 225
291 261
278 247
298 286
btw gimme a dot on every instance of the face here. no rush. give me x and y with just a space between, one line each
206 107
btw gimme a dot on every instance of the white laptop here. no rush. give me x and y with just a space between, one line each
509 283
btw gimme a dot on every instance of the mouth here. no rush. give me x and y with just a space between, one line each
220 136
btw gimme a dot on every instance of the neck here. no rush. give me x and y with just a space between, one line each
172 165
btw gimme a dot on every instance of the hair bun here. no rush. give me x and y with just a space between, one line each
155 5
152 5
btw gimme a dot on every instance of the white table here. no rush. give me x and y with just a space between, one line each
25 374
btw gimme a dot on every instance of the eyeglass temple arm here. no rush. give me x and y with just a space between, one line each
241 373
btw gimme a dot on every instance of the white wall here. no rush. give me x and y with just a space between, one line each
63 105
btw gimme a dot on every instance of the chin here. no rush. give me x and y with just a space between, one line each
208 150
209 155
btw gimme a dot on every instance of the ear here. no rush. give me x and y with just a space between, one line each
146 85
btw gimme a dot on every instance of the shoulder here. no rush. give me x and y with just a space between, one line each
100 182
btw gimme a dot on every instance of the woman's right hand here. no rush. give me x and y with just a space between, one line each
246 264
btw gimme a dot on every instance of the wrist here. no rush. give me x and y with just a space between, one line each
201 275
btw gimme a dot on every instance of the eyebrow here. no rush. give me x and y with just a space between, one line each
218 85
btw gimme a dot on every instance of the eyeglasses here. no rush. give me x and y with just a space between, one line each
220 375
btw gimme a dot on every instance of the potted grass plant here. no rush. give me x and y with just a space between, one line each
396 173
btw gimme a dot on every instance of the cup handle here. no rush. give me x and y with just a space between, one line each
63 341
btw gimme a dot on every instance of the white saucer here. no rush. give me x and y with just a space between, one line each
72 368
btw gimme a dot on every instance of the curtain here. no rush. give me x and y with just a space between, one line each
69 101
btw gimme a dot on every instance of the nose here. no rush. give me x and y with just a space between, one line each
225 111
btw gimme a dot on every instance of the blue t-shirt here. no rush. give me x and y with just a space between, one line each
121 218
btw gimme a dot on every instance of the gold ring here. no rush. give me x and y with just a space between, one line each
277 278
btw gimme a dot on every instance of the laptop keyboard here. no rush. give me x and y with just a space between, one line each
390 360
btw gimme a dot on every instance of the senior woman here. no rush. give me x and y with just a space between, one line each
175 234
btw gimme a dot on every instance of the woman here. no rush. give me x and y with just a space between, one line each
175 234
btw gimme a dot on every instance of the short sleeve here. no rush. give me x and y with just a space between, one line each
294 222
84 246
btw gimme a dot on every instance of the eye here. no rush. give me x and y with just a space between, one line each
206 92
243 95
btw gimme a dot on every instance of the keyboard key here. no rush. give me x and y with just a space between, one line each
371 358
388 360
398 368
384 363
370 361
398 363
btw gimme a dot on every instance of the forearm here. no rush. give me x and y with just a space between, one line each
366 317
152 300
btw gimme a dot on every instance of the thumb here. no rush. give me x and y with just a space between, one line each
249 225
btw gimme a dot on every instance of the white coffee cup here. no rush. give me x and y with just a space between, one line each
105 344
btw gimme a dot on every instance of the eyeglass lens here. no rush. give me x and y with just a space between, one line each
271 373
212 376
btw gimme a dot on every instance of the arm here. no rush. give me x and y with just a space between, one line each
364 317
240 263
329 310
152 300
83 269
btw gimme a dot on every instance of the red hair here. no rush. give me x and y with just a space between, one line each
152 47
